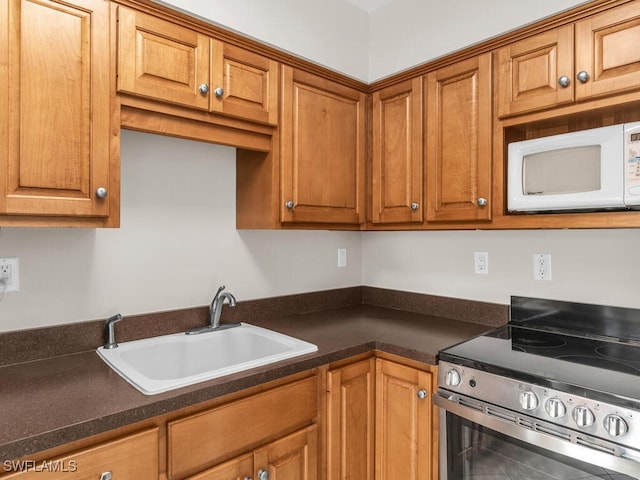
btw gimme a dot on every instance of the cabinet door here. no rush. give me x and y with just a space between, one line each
161 60
323 149
403 422
458 146
350 421
294 457
244 84
607 50
55 129
134 457
239 468
529 72
397 153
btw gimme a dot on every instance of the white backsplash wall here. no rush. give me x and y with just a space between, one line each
589 266
177 243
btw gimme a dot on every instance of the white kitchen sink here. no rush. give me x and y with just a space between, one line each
158 364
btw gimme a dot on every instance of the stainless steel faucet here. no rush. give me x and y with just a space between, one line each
109 333
215 311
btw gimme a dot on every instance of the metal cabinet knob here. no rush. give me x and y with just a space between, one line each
263 474
218 92
247 478
564 81
482 202
582 76
106 476
289 204
415 206
101 192
203 89
422 394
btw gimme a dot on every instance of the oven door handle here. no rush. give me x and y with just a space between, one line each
626 462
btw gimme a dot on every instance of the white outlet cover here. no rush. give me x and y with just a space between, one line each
481 262
14 283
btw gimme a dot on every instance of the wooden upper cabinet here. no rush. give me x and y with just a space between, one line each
397 173
163 61
607 49
529 72
54 109
458 141
594 57
322 150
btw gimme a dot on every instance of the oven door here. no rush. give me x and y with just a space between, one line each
477 444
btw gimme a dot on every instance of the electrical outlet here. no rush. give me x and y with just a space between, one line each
481 262
342 257
542 266
9 274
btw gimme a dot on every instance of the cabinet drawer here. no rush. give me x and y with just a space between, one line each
204 439
134 457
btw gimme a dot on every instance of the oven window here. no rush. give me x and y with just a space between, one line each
474 452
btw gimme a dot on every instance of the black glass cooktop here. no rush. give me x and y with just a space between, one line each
551 348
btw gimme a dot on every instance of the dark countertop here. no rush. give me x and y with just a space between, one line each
49 402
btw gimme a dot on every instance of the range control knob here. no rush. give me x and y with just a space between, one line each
555 408
615 425
452 378
583 416
528 400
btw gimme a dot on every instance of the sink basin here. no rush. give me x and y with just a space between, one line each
158 364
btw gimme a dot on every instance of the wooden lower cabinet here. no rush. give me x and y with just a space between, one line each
378 426
294 457
132 457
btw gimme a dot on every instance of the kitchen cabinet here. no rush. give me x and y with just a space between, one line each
133 457
397 161
293 457
458 141
379 421
322 145
202 444
589 58
403 422
164 61
351 421
55 115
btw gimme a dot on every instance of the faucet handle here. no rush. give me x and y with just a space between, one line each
215 297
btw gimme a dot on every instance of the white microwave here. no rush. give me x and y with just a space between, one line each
594 169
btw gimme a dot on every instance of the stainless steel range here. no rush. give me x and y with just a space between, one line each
555 394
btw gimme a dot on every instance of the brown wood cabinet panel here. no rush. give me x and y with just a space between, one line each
403 422
161 60
529 72
55 129
397 153
237 469
322 150
458 150
607 49
201 440
294 457
134 457
249 84
350 421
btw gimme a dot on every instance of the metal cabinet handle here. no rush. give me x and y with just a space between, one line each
564 81
218 92
106 476
101 192
263 474
247 478
203 89
415 206
289 204
482 201
422 394
582 76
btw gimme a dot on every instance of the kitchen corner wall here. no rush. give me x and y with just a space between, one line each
177 243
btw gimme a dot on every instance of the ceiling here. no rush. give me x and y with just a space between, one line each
369 5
